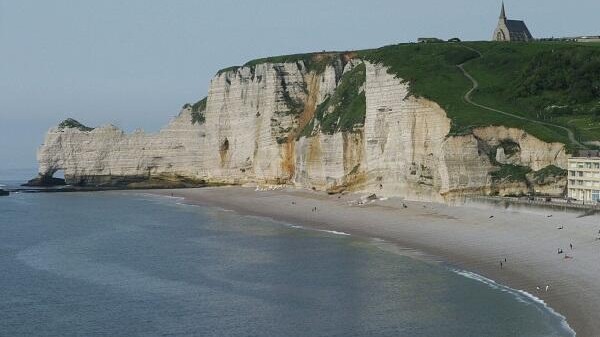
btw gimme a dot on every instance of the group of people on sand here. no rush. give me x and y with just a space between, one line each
538 288
560 251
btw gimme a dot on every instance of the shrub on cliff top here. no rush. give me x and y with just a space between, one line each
198 111
510 173
549 171
71 123
315 62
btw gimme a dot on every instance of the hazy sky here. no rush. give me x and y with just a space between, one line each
134 63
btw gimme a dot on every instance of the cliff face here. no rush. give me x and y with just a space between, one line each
107 156
348 125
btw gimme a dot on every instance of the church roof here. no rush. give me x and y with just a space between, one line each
517 26
502 12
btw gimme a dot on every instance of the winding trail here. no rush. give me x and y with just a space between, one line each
468 99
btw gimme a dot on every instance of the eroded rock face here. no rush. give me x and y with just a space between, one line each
107 156
530 151
407 149
254 130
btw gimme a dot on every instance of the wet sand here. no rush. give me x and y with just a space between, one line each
474 237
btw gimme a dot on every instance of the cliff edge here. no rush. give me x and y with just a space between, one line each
329 121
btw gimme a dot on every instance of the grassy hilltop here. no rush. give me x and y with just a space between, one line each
553 82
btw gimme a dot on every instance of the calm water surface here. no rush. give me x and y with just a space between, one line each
116 264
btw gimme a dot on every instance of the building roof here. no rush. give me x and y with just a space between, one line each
429 39
588 154
518 27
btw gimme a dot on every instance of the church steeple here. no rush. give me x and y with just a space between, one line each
502 12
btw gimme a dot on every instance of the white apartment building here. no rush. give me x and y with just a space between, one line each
584 179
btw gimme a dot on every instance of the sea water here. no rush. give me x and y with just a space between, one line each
127 264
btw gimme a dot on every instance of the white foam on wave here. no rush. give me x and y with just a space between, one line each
317 230
333 232
155 197
295 226
520 295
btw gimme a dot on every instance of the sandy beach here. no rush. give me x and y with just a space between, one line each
474 237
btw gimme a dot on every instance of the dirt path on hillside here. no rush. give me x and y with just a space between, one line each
468 99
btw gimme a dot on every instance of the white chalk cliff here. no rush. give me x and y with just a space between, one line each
260 126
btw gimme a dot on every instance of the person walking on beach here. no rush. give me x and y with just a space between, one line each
500 264
571 245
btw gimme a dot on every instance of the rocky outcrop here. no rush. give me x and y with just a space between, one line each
515 146
45 180
287 123
106 156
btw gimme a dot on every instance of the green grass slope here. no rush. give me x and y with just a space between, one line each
554 82
547 81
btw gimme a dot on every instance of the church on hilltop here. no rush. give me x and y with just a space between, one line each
511 30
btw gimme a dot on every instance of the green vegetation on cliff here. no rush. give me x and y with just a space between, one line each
71 123
432 72
346 109
552 82
510 173
547 172
198 111
316 62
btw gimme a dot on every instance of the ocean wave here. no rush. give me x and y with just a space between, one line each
520 295
295 226
317 230
333 232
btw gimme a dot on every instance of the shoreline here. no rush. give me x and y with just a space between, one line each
473 237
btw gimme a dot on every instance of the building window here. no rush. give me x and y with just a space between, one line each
579 165
580 174
572 173
588 165
595 195
597 165
579 182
